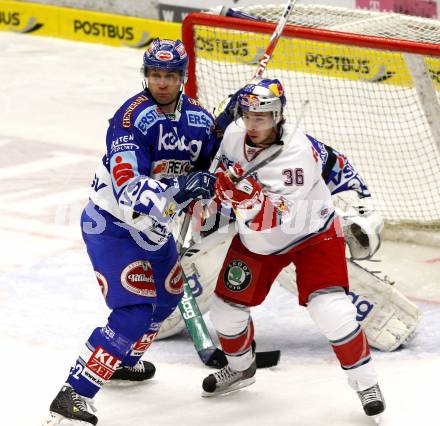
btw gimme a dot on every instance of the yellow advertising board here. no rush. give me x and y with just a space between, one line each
82 25
309 56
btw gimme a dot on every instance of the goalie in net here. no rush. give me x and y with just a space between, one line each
388 317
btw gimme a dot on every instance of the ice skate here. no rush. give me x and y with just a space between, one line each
227 380
70 408
372 402
142 370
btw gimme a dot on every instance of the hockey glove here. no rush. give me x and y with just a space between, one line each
198 185
244 195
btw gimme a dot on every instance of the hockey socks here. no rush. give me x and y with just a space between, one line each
238 348
99 359
108 346
353 350
140 347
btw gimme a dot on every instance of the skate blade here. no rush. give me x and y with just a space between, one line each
59 420
234 387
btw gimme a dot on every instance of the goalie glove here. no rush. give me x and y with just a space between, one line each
361 225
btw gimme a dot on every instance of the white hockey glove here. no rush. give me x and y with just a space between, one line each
387 316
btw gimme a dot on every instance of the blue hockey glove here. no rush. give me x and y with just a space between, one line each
196 185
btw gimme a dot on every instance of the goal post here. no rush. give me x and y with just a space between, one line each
372 81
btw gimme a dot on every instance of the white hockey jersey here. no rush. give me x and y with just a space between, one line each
292 182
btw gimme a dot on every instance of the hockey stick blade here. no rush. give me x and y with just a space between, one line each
267 359
214 357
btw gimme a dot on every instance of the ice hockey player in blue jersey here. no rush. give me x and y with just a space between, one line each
159 146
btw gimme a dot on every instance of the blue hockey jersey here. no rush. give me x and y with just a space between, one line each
147 150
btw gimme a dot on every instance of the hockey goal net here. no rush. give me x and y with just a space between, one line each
373 84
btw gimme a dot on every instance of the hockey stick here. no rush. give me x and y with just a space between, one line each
209 354
274 38
194 322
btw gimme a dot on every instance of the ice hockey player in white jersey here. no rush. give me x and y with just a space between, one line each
284 214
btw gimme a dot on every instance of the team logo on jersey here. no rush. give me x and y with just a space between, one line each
237 276
138 278
174 280
126 118
103 285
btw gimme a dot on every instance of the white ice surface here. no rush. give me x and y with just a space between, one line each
55 99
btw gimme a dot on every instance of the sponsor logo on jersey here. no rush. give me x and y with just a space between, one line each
148 118
123 143
174 280
199 119
170 168
169 141
103 285
102 29
102 364
122 171
143 344
126 117
138 278
237 276
363 306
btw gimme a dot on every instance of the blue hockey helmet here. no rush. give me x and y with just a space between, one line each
263 95
168 55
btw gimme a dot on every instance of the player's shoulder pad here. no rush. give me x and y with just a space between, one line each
128 115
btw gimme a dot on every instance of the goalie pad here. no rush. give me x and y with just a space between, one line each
389 319
201 263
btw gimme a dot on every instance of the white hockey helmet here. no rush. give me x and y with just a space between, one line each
262 95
